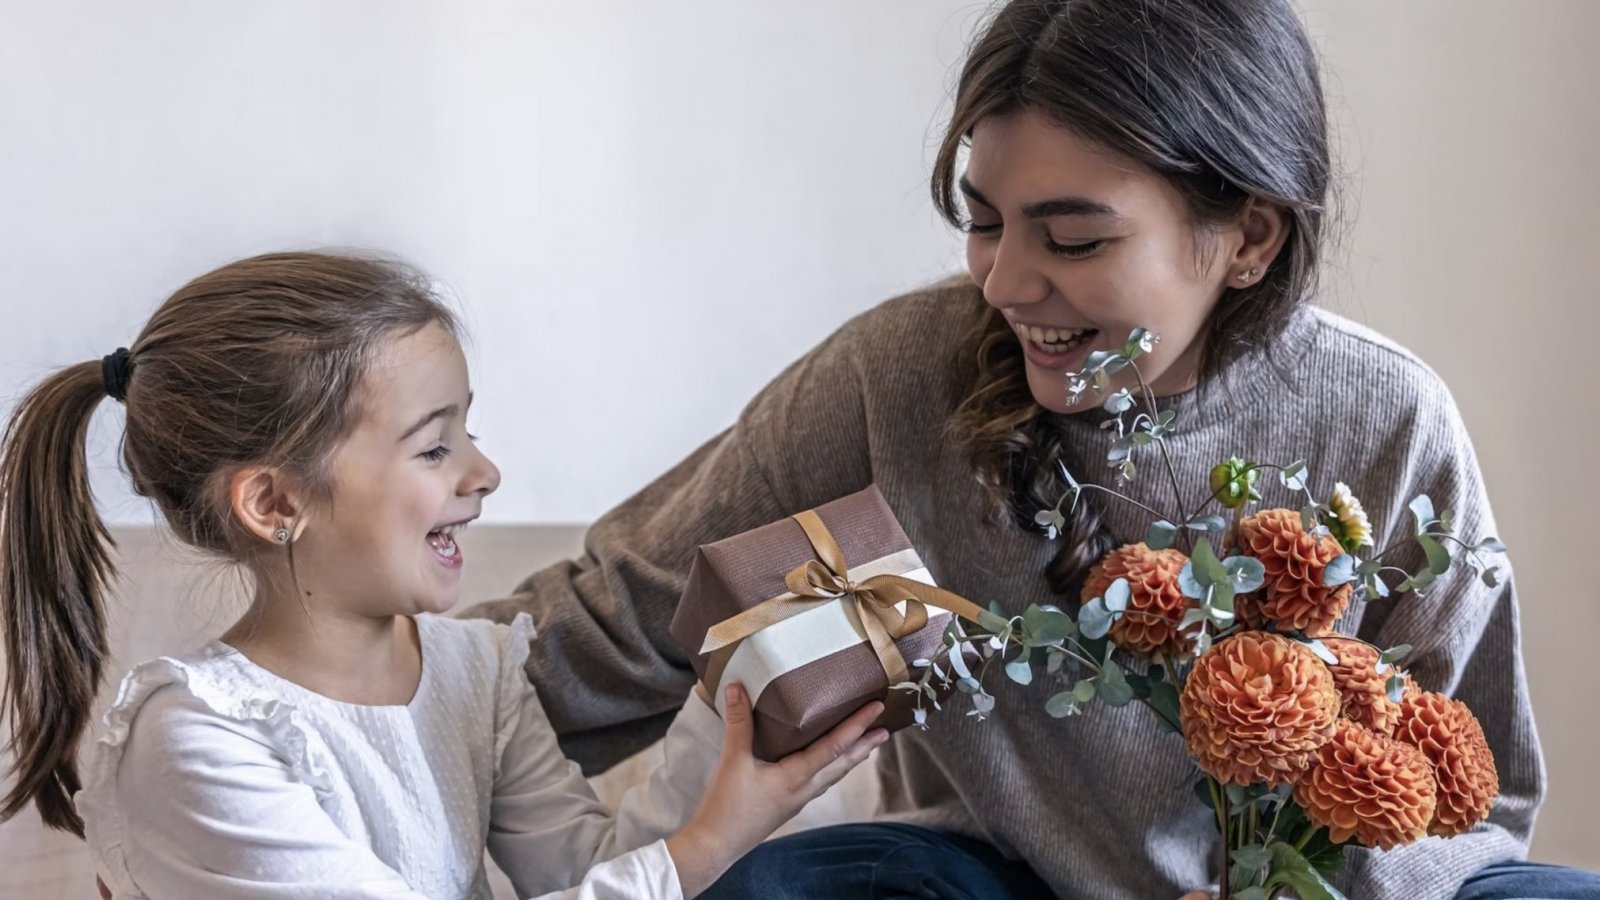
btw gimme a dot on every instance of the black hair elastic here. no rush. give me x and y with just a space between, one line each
115 371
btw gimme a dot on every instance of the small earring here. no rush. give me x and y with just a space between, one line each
1246 276
281 535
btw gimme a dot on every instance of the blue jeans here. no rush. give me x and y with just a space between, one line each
887 861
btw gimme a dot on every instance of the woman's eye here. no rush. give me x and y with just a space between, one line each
971 227
436 454
1075 251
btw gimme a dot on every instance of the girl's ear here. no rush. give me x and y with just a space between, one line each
266 500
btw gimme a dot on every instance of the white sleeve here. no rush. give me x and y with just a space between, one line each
209 809
555 839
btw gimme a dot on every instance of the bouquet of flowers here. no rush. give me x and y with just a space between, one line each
1220 623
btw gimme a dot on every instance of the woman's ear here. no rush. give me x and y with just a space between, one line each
1263 230
266 501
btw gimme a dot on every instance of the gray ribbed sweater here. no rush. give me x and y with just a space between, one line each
1100 805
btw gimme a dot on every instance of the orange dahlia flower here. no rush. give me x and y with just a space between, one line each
1451 738
1365 785
1363 692
1156 604
1294 597
1256 706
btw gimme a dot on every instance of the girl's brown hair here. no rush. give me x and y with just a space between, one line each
1220 97
256 363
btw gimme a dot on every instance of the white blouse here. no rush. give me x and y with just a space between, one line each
217 778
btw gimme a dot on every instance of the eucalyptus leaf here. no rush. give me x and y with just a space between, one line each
1128 470
1208 568
1061 705
1094 620
1100 379
1119 402
983 702
1117 595
1202 642
1395 654
1222 601
958 663
1020 671
1251 893
1490 545
1308 518
1164 698
1189 582
1245 573
1047 625
1292 869
1252 856
1322 652
1490 577
1293 475
1161 535
1142 439
1422 508
1055 661
993 621
1438 557
1112 687
1395 686
1340 570
1098 359
1084 690
1190 616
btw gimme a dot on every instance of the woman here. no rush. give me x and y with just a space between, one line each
1133 163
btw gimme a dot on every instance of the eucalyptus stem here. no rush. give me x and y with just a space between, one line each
1166 456
1086 486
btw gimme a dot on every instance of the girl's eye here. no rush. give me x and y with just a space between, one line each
971 227
436 454
1075 251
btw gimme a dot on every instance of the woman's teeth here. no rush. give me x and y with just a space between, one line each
1055 340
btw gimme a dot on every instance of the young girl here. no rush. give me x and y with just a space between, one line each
304 415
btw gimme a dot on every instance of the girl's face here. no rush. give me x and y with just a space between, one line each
1077 247
404 483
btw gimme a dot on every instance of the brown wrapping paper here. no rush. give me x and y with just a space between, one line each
767 566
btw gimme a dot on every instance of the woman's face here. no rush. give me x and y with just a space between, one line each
1077 247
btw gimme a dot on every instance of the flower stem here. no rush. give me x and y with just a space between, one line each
1305 838
1219 799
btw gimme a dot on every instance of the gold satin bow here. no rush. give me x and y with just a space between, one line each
825 580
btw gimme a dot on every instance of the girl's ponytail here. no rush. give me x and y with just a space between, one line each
55 566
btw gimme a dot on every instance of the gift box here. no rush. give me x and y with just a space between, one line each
816 615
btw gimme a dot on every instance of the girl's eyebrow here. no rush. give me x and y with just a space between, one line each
443 412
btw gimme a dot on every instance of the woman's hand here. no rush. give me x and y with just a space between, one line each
1196 895
748 799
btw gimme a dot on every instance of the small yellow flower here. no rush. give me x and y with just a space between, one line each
1355 530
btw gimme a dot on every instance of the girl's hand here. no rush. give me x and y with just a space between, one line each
748 799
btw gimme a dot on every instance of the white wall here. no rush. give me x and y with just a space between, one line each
647 209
